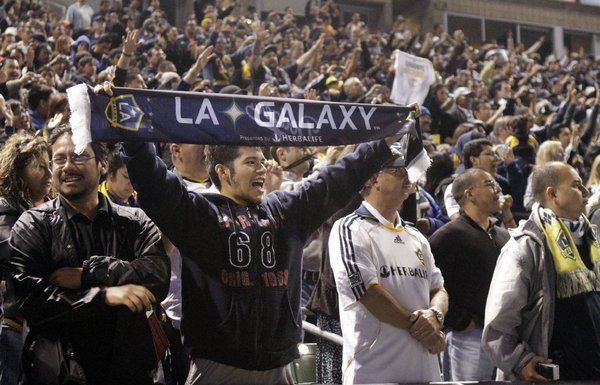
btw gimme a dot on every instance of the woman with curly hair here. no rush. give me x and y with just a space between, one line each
25 182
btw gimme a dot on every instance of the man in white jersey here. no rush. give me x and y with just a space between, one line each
391 294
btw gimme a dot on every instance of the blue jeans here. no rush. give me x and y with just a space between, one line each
11 344
465 359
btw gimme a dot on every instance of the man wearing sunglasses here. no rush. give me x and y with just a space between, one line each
391 294
480 154
466 251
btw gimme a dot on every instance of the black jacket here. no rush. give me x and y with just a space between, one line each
8 216
241 278
114 345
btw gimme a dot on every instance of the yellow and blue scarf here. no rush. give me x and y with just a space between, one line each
572 275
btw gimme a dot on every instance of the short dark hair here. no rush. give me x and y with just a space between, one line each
544 177
84 60
519 124
37 94
57 104
115 161
473 148
131 75
555 130
100 150
463 182
218 154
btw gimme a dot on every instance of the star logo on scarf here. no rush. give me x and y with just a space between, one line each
234 112
123 112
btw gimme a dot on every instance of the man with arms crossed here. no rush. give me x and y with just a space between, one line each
88 269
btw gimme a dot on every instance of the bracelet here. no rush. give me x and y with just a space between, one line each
126 54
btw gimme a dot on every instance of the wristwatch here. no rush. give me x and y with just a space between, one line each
438 315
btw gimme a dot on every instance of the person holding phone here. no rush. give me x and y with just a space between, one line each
543 305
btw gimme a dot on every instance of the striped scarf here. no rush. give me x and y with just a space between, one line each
572 275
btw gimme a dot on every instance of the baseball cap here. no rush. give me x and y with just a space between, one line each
10 31
398 150
269 48
425 111
232 89
167 77
462 91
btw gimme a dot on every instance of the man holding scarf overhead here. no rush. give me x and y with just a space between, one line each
241 249
544 300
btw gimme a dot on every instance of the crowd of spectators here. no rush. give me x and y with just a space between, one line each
504 108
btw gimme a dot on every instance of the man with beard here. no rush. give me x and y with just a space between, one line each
85 272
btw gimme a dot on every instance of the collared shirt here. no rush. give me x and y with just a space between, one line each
91 236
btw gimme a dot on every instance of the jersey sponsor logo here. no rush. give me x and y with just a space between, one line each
398 239
402 271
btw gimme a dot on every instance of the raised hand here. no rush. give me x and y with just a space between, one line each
106 87
274 176
130 42
311 94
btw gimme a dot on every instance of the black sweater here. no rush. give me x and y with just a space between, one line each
466 255
241 265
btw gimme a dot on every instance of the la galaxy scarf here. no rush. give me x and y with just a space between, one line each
572 275
132 115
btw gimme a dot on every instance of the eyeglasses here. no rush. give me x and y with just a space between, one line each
78 160
493 154
491 184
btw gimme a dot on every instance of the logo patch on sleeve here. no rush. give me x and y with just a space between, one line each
355 279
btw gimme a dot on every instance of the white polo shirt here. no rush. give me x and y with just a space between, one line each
366 249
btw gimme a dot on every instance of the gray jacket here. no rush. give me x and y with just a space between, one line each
519 313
